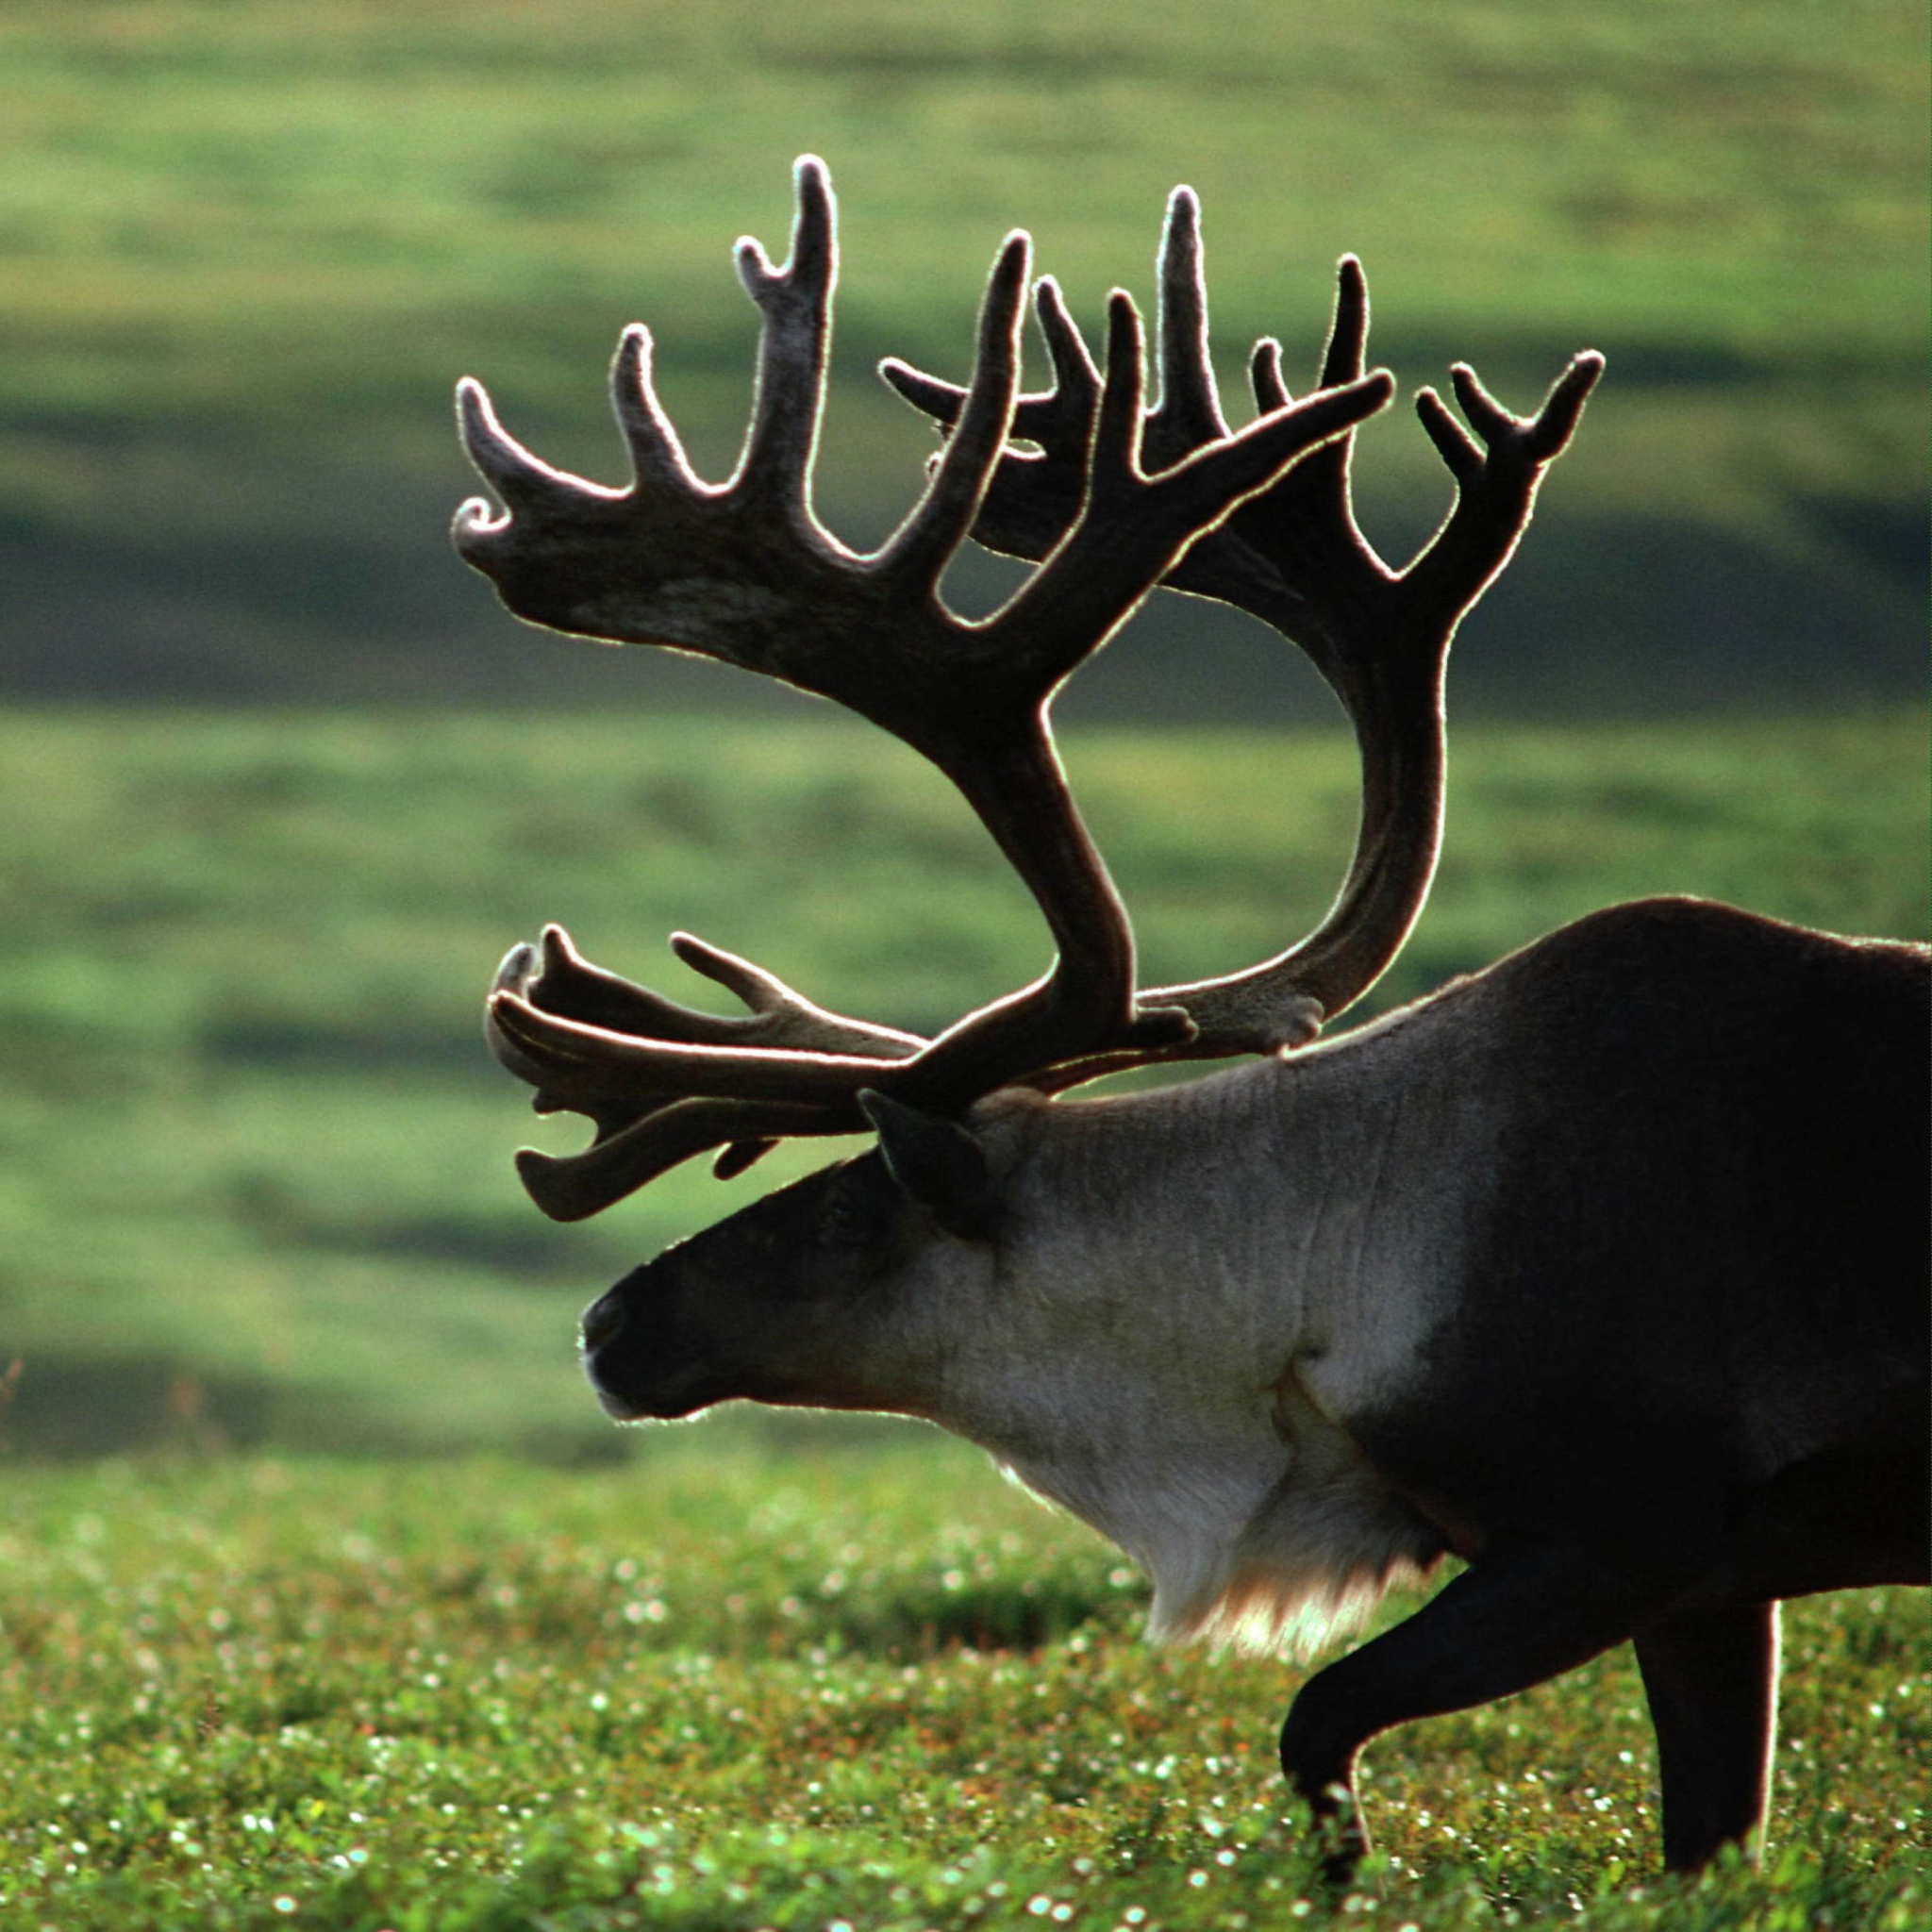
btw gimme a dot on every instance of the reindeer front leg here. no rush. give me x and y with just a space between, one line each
1518 1616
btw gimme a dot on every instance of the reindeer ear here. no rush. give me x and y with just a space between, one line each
936 1164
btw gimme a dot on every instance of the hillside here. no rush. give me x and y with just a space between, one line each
247 248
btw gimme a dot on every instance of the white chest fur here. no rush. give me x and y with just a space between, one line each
1172 1364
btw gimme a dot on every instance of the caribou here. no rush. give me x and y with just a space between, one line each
1602 1271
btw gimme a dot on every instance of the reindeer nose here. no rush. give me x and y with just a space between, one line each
602 1320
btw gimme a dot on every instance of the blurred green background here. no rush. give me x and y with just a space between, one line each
279 781
248 245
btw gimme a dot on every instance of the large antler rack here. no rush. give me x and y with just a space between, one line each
744 571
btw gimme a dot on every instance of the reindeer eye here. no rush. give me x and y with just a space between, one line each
844 1218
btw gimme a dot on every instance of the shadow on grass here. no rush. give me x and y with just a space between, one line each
65 1406
60 1405
911 1622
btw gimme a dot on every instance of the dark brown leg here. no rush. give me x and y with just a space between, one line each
1510 1620
1712 1684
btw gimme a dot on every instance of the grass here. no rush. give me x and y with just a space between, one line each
862 1685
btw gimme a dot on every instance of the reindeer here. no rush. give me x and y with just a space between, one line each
1603 1271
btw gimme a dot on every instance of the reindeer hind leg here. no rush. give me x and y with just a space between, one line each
1711 1679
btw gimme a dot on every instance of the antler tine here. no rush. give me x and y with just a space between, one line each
527 485
778 1009
1189 412
562 982
1063 417
1348 329
795 346
919 551
572 1187
1496 480
657 454
1113 463
516 974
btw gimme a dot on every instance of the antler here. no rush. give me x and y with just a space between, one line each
1294 556
744 572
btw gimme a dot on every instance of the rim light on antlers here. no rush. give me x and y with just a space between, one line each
1115 497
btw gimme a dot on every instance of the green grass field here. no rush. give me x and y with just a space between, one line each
351 1630
860 1684
249 245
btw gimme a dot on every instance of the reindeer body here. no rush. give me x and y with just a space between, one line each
1605 1269
1392 1294
1294 1331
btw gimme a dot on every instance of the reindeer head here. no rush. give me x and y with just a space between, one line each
846 1289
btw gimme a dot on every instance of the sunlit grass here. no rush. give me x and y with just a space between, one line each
844 1680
